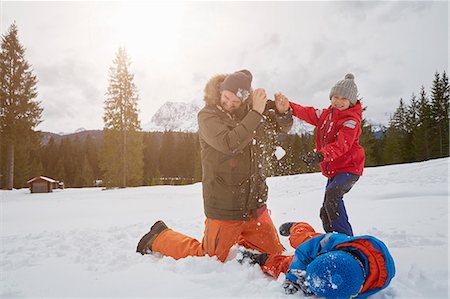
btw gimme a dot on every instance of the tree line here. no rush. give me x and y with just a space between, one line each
125 156
168 158
419 129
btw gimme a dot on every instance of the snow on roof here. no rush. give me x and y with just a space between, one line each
42 178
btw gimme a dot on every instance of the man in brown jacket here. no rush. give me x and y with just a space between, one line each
234 127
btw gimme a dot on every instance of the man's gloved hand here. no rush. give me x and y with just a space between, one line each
246 256
312 158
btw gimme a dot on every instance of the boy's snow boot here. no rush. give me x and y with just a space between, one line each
285 228
246 256
145 244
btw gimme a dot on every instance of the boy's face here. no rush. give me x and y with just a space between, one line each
340 103
229 101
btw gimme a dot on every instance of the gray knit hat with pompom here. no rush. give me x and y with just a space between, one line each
346 88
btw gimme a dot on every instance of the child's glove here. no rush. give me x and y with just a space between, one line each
291 287
304 287
312 158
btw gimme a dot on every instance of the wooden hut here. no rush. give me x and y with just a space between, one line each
42 184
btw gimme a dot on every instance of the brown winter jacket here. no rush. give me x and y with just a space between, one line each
233 153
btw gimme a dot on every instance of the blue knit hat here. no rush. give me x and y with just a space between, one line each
335 274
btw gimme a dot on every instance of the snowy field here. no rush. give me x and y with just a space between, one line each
82 242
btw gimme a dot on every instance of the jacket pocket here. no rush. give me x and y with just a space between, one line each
230 196
231 178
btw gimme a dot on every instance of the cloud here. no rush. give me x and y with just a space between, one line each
70 92
300 48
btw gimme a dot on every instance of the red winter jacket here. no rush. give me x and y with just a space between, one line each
337 137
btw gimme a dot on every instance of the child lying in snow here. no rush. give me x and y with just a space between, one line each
328 265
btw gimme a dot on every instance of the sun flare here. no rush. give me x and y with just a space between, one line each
151 29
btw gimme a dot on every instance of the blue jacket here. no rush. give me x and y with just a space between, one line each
308 251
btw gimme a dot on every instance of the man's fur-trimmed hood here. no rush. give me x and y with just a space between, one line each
212 90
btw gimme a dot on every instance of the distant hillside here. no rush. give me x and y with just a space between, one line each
96 135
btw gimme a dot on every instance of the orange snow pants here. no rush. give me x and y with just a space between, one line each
219 236
300 233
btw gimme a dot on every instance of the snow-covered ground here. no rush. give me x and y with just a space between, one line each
82 242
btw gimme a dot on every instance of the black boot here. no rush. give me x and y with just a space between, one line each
146 242
246 256
285 228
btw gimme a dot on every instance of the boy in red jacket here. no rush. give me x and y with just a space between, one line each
338 151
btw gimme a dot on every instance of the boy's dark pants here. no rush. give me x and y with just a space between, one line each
333 214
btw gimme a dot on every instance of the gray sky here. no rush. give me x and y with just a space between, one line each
299 48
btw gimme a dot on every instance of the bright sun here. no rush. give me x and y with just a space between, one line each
150 28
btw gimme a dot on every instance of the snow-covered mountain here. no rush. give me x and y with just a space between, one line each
301 127
378 129
174 116
182 117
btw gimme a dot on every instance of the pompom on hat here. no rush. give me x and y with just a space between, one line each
335 274
239 83
346 88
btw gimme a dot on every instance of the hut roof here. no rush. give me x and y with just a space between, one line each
41 178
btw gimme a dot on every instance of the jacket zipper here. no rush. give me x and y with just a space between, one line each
325 140
250 179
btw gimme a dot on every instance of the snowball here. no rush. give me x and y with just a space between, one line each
279 152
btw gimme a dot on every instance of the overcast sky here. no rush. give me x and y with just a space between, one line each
298 48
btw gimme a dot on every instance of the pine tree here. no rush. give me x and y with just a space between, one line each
67 158
122 149
393 151
439 114
445 114
151 158
435 96
188 150
183 156
60 172
22 164
412 117
379 147
91 152
167 156
37 169
399 119
70 165
422 132
394 147
367 141
20 113
412 120
87 174
50 156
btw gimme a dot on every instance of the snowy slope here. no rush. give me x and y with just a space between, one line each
82 242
